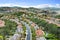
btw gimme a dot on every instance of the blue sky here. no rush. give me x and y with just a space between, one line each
29 2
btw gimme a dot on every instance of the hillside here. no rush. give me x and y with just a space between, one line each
26 23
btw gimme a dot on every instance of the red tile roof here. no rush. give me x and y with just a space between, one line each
2 23
39 32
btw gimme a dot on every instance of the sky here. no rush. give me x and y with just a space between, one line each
31 3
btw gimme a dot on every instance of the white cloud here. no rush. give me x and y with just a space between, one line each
58 5
8 5
36 6
12 5
47 5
